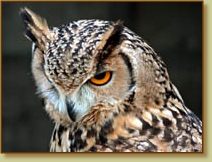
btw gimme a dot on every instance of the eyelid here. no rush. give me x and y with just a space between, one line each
100 69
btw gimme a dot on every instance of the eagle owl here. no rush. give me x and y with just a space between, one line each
107 90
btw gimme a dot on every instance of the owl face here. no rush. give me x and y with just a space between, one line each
84 64
87 63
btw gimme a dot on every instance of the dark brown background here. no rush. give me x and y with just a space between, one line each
173 29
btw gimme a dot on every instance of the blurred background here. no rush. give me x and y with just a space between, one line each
173 29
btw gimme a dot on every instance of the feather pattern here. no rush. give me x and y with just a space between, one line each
138 109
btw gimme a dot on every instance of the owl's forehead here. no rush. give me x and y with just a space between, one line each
78 35
70 55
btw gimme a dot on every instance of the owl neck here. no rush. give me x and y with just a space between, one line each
126 127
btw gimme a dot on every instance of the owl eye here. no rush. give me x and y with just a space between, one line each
101 79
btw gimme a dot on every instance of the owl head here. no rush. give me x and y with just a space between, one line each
94 65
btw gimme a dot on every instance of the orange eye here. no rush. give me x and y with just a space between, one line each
102 78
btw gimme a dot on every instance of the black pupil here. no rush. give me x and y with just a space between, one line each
100 76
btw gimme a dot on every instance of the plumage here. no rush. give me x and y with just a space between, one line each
107 90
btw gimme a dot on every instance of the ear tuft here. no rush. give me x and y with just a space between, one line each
36 28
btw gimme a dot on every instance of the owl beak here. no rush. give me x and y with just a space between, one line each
78 102
70 108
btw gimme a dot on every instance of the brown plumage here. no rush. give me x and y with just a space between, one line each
107 90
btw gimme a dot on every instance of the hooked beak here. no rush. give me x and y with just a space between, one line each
70 109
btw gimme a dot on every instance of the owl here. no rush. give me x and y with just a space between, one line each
107 90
